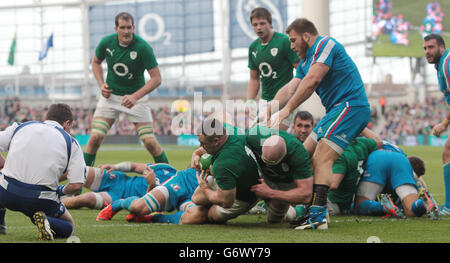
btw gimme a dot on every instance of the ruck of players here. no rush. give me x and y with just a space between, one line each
284 164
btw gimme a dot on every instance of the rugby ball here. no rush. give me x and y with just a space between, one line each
205 161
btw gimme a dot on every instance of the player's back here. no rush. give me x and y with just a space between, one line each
235 166
343 82
38 154
352 164
296 163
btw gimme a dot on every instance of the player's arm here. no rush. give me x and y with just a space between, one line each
2 161
98 74
283 95
150 177
76 172
253 85
155 80
441 127
308 85
223 198
195 160
368 133
302 193
125 167
304 90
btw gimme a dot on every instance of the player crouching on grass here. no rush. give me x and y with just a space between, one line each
393 172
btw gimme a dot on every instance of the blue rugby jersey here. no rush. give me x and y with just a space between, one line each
342 83
443 73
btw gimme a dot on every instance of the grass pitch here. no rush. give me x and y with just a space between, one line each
246 228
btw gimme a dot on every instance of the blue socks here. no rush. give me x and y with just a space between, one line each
172 218
62 228
370 208
125 203
447 184
117 205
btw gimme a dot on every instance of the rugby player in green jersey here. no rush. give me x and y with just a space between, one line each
125 89
347 171
235 171
287 174
270 59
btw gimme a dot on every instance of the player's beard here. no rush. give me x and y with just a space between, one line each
303 49
436 57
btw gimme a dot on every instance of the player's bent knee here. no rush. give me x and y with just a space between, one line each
139 207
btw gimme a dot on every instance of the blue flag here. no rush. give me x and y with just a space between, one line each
45 49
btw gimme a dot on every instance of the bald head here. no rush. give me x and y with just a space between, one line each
273 150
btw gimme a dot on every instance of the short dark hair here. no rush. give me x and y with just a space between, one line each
261 12
302 25
304 115
439 40
124 16
60 113
211 127
417 164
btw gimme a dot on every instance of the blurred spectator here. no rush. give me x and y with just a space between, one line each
412 119
401 119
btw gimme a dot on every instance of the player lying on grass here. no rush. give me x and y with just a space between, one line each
174 194
235 171
110 183
392 172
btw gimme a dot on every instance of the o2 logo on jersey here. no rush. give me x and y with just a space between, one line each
266 70
245 7
121 70
160 34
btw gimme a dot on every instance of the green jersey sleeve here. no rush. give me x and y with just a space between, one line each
251 57
101 49
148 57
225 178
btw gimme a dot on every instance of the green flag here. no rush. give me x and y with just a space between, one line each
12 50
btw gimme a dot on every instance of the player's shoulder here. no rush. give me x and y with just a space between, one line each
254 44
281 36
140 42
109 38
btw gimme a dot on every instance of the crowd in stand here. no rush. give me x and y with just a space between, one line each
412 119
401 119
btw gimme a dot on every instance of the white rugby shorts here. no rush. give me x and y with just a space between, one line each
111 108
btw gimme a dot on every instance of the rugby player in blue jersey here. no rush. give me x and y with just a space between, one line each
110 183
172 195
326 68
435 53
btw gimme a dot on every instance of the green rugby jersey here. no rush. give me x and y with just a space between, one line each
295 165
273 61
126 65
234 166
352 164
